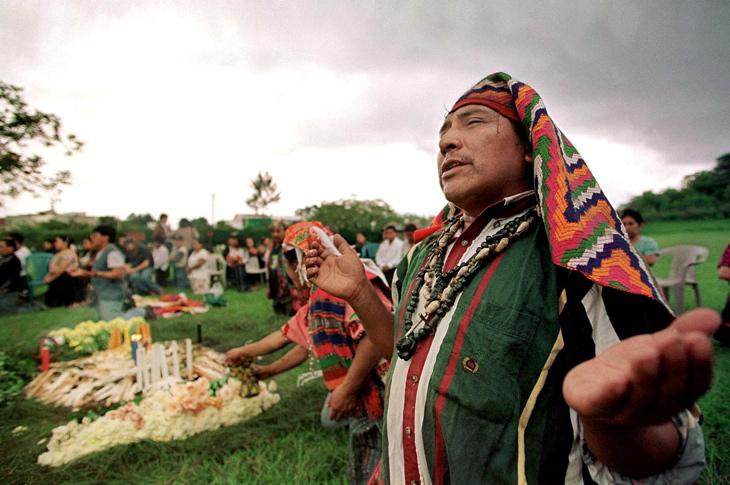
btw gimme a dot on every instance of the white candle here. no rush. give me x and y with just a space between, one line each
143 363
155 366
189 358
140 356
175 361
163 363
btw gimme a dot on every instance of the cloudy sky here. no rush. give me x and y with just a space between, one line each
179 100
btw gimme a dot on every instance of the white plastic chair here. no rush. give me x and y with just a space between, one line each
682 272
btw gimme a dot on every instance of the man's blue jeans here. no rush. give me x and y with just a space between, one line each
143 282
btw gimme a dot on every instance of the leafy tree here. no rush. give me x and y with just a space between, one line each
705 194
264 192
23 131
350 216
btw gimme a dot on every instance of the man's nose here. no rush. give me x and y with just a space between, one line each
449 141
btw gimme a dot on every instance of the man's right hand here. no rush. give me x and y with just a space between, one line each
342 276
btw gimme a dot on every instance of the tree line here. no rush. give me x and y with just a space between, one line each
703 195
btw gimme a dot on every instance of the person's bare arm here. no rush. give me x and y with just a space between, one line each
344 276
291 359
344 397
271 343
724 273
112 274
626 396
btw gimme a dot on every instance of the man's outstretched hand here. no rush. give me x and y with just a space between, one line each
647 379
342 276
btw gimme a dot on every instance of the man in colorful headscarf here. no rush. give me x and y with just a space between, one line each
329 329
532 345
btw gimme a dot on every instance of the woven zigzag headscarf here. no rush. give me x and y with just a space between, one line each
585 233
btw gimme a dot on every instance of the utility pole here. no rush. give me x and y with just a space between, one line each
212 210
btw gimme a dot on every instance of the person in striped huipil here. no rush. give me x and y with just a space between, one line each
531 344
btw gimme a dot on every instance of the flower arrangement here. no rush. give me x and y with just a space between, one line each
185 410
89 337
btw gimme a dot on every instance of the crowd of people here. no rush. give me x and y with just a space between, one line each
106 268
520 338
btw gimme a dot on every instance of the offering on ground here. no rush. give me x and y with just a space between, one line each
180 412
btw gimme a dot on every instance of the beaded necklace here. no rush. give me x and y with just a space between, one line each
441 288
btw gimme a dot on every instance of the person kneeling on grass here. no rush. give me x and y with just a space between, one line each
351 369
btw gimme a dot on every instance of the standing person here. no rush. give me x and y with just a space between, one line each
199 268
63 289
162 230
253 266
519 320
389 253
187 232
107 273
723 333
351 371
161 259
279 291
236 260
140 268
21 252
11 283
179 258
410 233
367 249
86 255
645 246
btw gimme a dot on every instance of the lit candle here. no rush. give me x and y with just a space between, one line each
189 358
127 343
175 361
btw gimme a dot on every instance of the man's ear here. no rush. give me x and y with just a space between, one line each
528 157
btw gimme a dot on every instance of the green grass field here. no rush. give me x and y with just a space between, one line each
285 444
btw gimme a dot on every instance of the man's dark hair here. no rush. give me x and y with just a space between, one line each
10 242
410 227
106 230
632 214
17 237
389 226
521 134
163 215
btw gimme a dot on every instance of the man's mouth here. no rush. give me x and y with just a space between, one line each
451 164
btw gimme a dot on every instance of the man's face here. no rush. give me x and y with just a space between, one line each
410 235
277 234
360 238
233 242
481 159
389 234
5 250
97 241
632 227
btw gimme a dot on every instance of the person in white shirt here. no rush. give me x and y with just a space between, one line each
22 251
161 259
199 268
236 259
389 253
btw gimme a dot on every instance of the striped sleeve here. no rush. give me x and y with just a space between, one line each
614 316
